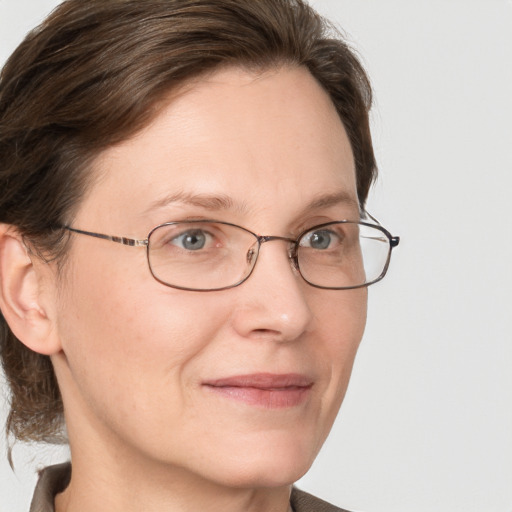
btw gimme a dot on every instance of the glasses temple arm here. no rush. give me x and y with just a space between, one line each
118 239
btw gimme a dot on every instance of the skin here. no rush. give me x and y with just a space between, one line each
131 355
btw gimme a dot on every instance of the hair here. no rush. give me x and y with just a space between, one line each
94 74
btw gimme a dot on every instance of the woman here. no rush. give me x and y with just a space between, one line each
194 365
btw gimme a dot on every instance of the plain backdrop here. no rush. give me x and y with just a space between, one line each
427 422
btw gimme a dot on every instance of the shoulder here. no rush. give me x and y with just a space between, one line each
52 480
303 502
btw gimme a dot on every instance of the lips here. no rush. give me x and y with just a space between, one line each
270 391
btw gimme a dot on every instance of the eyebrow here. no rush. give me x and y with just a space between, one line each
324 201
223 202
218 202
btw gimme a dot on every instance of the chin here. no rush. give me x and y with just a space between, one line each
270 475
269 465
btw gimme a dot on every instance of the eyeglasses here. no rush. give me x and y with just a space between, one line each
209 255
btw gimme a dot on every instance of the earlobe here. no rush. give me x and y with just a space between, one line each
23 301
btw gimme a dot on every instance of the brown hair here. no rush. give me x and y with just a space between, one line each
92 75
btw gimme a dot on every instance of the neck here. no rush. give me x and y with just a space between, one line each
104 478
113 490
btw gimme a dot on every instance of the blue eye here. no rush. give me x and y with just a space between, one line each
320 239
192 240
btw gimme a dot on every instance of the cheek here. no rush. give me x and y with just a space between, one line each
127 340
341 319
344 319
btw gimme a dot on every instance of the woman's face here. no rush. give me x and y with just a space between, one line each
239 386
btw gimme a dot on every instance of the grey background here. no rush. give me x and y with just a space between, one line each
427 422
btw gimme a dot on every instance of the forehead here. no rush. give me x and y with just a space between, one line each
262 141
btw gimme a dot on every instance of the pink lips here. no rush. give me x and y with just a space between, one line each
264 389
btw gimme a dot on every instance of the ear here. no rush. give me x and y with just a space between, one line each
25 304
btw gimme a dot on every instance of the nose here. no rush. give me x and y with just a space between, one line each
274 303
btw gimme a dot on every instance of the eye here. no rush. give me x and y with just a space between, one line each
192 240
321 239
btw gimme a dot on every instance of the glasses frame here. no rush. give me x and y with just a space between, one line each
260 239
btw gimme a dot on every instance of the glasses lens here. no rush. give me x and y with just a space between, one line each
343 255
201 255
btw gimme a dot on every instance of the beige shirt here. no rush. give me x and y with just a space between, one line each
55 479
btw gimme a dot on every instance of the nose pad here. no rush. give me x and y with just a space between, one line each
253 252
251 255
292 256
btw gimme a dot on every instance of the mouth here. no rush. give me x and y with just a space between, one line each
270 391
